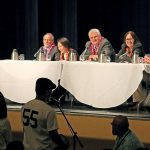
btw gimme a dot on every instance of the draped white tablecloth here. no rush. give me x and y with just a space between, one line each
102 85
17 78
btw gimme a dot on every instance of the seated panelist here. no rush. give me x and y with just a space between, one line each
65 50
49 48
97 45
131 44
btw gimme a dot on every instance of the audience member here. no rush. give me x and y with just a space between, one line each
5 128
65 50
126 139
49 48
131 44
97 45
39 120
15 145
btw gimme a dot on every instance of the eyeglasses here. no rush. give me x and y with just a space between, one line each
129 39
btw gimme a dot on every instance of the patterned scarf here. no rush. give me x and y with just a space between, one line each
47 50
94 49
64 56
129 52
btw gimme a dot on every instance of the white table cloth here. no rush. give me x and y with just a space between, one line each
102 85
17 78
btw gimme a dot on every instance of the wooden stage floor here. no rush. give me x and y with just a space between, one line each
92 125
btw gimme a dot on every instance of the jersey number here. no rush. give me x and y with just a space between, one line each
30 118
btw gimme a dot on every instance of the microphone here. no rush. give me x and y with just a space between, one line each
41 49
35 55
82 56
122 56
87 44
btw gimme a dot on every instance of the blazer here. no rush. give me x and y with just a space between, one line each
105 47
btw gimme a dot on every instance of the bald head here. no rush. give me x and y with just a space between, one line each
121 121
120 124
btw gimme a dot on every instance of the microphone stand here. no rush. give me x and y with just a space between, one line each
75 137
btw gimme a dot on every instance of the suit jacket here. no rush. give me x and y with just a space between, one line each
137 47
53 52
105 47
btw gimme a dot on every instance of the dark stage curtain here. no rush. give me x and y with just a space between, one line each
114 18
26 21
27 27
60 18
136 17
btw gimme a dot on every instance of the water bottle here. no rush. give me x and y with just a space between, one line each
73 56
135 57
102 57
14 54
41 56
49 57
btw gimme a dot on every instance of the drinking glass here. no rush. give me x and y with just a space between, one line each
108 59
72 57
21 57
140 60
49 58
82 58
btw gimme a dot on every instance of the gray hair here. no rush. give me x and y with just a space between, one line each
94 31
50 34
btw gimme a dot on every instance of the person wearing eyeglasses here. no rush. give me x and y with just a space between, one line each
131 44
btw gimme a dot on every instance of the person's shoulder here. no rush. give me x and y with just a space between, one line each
123 45
28 103
55 47
138 44
41 104
37 104
4 123
73 50
40 48
133 141
133 137
105 41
